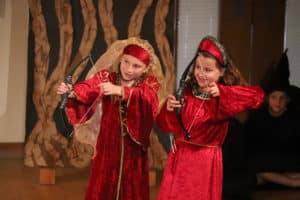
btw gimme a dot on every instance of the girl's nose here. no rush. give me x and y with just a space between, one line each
129 68
201 72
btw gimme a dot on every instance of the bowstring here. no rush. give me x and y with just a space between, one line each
206 95
94 102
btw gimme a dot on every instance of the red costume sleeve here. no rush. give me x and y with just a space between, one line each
232 100
142 108
87 97
167 121
235 99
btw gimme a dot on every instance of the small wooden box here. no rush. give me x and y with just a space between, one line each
47 176
152 177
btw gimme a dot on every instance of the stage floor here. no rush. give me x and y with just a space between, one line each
18 182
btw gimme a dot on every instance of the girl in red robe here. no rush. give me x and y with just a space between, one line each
194 169
129 106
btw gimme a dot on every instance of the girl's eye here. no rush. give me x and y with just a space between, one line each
203 69
207 69
136 66
125 61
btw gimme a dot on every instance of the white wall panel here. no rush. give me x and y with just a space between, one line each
196 19
13 70
5 32
292 39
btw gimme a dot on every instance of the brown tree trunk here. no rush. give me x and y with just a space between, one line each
45 147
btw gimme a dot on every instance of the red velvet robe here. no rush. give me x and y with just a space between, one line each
194 171
120 167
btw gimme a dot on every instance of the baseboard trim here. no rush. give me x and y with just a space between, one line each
11 150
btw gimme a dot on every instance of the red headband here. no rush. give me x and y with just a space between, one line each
138 52
208 46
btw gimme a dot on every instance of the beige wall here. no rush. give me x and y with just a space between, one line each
292 42
13 68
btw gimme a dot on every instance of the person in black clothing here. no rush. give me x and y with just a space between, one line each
273 132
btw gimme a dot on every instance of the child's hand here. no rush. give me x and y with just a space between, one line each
213 89
172 103
63 88
110 89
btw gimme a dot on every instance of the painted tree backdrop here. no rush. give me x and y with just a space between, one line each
63 32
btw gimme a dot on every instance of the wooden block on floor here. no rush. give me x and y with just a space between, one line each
47 176
152 177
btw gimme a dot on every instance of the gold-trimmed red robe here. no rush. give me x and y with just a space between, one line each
120 167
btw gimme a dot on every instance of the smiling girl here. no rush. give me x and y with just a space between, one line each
194 168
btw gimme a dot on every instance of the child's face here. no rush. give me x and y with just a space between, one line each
207 71
131 68
278 101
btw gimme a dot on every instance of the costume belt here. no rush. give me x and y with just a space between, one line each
197 144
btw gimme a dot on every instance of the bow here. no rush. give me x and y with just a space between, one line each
180 92
64 97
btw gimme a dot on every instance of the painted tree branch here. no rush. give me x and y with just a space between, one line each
88 37
136 20
33 152
107 21
162 42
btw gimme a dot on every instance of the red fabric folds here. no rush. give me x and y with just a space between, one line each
138 52
208 46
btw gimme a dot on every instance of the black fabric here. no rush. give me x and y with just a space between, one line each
277 76
273 142
277 79
236 179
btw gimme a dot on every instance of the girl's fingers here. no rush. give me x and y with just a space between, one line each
106 86
63 88
213 93
69 86
171 107
212 84
171 97
176 106
174 102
